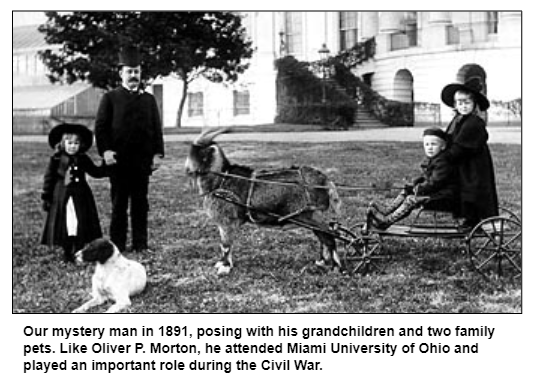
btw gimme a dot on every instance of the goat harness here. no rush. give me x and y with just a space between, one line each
257 177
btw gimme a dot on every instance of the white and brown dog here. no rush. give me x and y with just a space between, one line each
116 278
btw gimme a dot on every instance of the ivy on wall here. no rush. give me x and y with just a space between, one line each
360 53
392 113
300 97
300 94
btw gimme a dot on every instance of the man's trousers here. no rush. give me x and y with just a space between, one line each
129 188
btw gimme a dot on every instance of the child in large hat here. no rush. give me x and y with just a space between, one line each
469 150
435 188
72 217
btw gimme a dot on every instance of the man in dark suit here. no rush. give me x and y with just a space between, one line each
129 136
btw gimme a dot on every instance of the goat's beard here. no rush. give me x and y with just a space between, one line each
200 185
193 184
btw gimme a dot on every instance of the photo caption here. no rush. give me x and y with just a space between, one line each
260 348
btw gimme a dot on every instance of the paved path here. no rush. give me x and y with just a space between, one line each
511 135
400 134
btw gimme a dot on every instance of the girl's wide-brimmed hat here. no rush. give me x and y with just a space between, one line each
86 135
473 86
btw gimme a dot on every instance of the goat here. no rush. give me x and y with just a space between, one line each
235 194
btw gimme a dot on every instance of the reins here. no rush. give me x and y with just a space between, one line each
274 182
330 229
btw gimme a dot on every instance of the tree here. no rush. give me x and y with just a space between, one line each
181 44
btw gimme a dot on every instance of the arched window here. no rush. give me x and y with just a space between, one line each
403 86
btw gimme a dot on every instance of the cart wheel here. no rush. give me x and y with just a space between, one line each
362 253
508 213
494 247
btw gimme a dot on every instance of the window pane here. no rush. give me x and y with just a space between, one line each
196 104
348 19
241 102
348 30
293 29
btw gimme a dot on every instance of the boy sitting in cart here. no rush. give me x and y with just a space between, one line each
435 189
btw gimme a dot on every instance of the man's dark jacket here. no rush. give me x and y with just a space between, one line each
470 153
129 124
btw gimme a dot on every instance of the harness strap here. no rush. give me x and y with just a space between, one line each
330 229
249 197
305 187
338 185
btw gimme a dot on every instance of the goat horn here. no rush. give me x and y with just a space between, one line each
209 134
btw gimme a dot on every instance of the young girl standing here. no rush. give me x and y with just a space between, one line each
72 217
469 151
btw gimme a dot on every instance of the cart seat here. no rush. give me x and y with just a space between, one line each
442 205
440 210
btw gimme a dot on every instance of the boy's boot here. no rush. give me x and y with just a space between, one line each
382 221
375 218
391 206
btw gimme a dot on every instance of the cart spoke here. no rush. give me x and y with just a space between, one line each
515 237
484 247
485 262
495 246
514 264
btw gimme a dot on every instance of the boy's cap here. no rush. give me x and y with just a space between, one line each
436 131
86 135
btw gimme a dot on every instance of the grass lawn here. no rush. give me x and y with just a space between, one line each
273 271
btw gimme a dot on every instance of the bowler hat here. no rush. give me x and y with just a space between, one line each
473 85
436 131
129 56
56 134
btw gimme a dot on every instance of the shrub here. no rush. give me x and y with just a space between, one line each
300 95
392 113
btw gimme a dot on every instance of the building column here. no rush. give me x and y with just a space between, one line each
435 32
388 23
368 25
510 27
462 21
439 17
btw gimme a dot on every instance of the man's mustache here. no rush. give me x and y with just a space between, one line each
133 79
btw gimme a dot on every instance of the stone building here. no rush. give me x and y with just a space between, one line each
37 104
415 55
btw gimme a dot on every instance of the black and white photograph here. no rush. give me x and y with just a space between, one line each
309 173
388 143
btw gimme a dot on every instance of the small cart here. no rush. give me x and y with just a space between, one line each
493 245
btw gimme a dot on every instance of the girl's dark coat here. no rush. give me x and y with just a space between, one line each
470 153
64 178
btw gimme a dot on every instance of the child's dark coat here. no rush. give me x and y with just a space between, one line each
470 153
64 178
439 180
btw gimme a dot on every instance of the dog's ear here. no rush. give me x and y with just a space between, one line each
98 250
